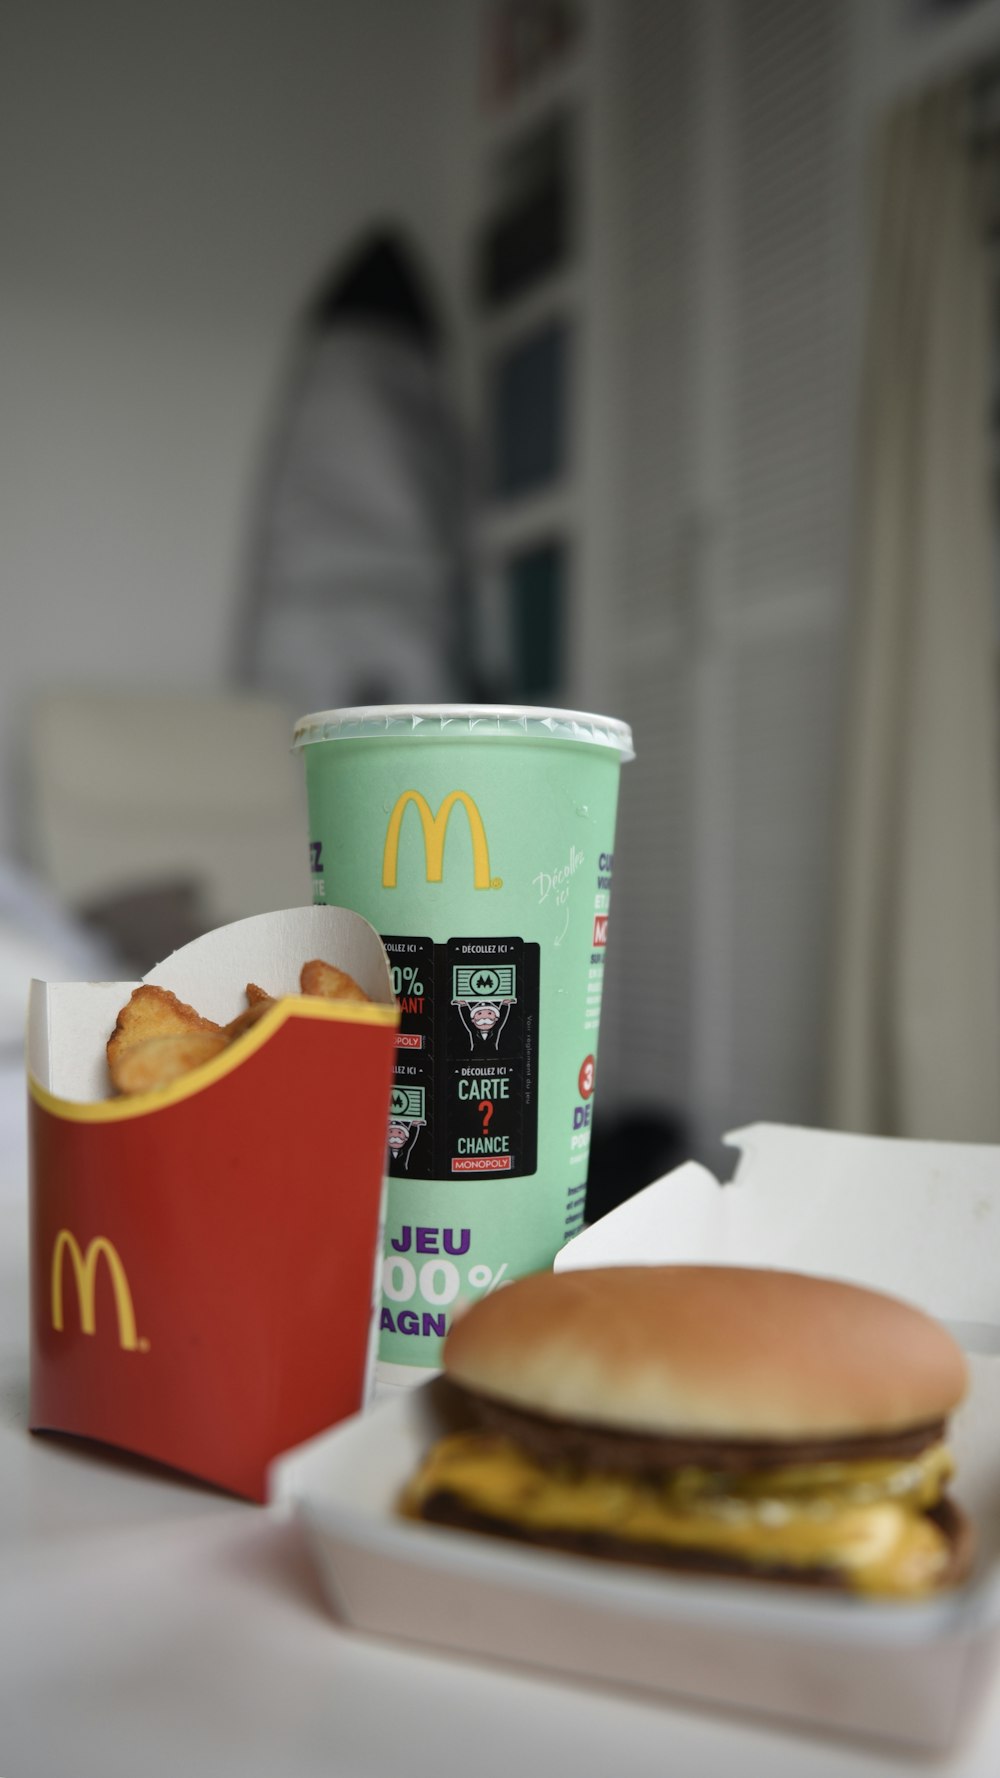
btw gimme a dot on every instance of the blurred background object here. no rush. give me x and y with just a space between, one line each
915 1016
360 585
541 340
156 816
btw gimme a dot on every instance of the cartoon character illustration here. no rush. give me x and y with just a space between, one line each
484 1019
402 1139
407 1118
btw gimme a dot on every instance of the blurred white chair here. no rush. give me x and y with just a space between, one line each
136 791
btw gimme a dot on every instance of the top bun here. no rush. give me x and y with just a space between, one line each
725 1351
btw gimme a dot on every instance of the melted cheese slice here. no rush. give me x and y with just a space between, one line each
863 1520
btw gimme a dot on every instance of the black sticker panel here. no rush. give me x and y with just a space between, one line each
465 1094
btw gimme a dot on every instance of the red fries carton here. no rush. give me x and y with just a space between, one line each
204 1256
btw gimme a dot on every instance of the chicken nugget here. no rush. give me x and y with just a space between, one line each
255 994
152 1012
156 1063
328 982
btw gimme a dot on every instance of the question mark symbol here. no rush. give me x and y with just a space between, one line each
486 1107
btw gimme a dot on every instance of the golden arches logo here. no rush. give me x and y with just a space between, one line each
435 829
85 1278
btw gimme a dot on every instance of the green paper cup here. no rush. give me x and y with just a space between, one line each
480 843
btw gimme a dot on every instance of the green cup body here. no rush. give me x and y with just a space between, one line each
485 861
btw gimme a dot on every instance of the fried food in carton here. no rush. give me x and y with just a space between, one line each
158 1038
250 1014
329 982
151 1012
150 1066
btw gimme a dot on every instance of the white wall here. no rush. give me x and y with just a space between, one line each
172 179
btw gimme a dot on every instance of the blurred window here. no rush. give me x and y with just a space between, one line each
528 412
536 585
529 235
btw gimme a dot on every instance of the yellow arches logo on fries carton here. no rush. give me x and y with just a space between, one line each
84 1273
435 831
225 1225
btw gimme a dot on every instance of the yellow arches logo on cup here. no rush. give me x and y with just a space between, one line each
435 829
84 1267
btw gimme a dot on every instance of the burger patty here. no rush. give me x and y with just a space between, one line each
444 1508
639 1453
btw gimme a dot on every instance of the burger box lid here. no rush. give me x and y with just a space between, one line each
920 1219
203 1258
913 1218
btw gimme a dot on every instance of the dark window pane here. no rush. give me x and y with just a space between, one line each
536 582
529 413
529 234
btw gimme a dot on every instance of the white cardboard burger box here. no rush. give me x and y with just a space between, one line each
917 1219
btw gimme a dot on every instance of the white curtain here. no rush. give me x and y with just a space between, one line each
916 996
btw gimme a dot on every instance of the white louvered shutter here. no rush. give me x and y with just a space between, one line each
737 334
646 1039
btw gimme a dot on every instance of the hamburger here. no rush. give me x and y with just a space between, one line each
710 1419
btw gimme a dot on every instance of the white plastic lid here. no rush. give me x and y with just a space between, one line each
464 720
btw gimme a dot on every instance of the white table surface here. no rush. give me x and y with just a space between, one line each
151 1627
